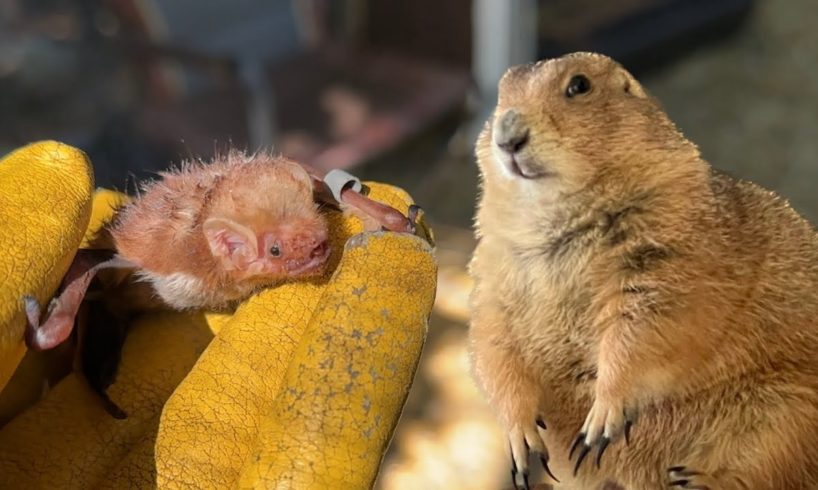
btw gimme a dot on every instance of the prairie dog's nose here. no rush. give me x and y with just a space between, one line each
511 132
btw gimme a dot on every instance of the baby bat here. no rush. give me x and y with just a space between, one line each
207 236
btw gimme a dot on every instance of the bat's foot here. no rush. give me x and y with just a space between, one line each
412 215
40 337
349 190
391 219
605 423
35 335
32 308
524 440
43 335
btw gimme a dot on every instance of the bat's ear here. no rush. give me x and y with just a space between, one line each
299 173
235 245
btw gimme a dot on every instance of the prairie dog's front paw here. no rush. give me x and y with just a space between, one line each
606 422
525 438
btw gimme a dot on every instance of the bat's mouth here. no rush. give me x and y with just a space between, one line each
313 264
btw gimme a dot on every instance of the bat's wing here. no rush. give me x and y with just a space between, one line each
63 309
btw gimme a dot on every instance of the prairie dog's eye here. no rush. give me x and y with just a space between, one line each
275 251
579 84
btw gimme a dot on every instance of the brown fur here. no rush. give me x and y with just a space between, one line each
631 278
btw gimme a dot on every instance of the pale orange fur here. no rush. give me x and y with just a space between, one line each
162 231
633 278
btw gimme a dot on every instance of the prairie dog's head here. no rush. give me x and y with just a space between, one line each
562 123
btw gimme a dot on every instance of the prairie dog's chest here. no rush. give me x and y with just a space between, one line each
541 299
544 306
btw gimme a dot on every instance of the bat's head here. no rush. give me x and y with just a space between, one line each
290 250
268 228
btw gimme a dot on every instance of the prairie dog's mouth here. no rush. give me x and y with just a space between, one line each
517 165
516 169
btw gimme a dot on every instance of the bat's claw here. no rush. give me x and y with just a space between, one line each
393 220
32 308
33 313
412 214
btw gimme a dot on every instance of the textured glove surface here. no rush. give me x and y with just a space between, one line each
301 387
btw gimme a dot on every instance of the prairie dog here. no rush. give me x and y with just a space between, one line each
624 287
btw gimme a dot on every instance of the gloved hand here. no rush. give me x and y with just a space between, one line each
300 388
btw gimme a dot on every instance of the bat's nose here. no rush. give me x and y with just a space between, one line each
511 132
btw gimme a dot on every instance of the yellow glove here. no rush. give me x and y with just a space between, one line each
300 388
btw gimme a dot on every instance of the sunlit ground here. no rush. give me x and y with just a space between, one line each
447 437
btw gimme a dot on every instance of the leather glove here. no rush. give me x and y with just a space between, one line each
300 387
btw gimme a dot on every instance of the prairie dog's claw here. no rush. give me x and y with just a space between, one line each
514 477
580 438
603 445
584 449
544 462
522 442
681 477
605 423
628 425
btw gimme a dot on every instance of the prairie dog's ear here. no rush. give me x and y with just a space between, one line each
629 84
236 246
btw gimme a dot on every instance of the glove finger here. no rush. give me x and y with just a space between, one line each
105 204
45 201
39 369
344 390
68 440
210 423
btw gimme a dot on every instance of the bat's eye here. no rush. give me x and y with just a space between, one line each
275 251
579 84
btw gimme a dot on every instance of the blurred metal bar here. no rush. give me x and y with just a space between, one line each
259 102
504 34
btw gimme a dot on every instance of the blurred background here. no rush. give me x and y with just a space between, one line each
396 91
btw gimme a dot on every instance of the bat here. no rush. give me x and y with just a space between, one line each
207 236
